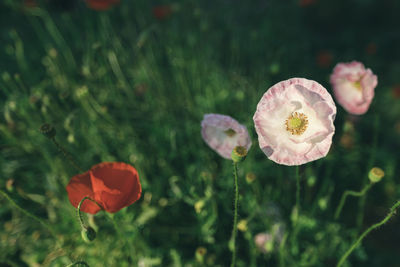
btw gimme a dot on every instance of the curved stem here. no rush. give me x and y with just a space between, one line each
235 216
78 211
27 213
363 235
350 193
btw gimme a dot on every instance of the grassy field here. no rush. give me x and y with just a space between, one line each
124 85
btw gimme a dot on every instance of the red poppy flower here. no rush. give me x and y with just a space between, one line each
100 5
113 185
162 11
371 48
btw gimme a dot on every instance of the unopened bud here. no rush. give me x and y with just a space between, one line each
250 177
200 253
376 174
242 225
47 130
198 206
88 234
239 154
10 185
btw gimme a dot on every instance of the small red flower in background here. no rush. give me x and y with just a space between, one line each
113 185
100 5
162 11
371 48
304 3
396 91
324 58
30 3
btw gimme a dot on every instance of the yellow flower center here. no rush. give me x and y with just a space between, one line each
297 123
357 85
230 132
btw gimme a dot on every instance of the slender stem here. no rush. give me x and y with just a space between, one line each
122 236
78 211
350 193
78 262
295 214
66 155
363 235
297 189
282 251
371 160
235 216
59 243
27 213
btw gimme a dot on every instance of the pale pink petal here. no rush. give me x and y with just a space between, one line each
277 104
353 86
261 240
214 129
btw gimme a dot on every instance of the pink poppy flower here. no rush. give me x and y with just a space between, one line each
223 133
294 121
353 86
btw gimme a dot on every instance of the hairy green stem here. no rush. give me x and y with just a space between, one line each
297 189
78 211
27 213
350 193
363 235
235 216
78 263
66 155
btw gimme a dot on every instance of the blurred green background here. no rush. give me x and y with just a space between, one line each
132 84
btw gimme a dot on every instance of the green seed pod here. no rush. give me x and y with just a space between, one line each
88 234
47 130
239 154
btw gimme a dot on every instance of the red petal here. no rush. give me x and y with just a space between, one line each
79 187
115 184
101 4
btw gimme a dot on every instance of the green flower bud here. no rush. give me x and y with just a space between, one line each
88 234
200 253
239 154
376 174
10 185
47 130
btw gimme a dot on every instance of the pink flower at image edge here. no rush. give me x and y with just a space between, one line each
223 133
353 86
294 122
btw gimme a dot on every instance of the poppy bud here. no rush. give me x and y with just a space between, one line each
88 234
10 185
239 154
376 174
250 177
242 225
198 206
47 130
200 253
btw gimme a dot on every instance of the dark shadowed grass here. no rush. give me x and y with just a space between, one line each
123 86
